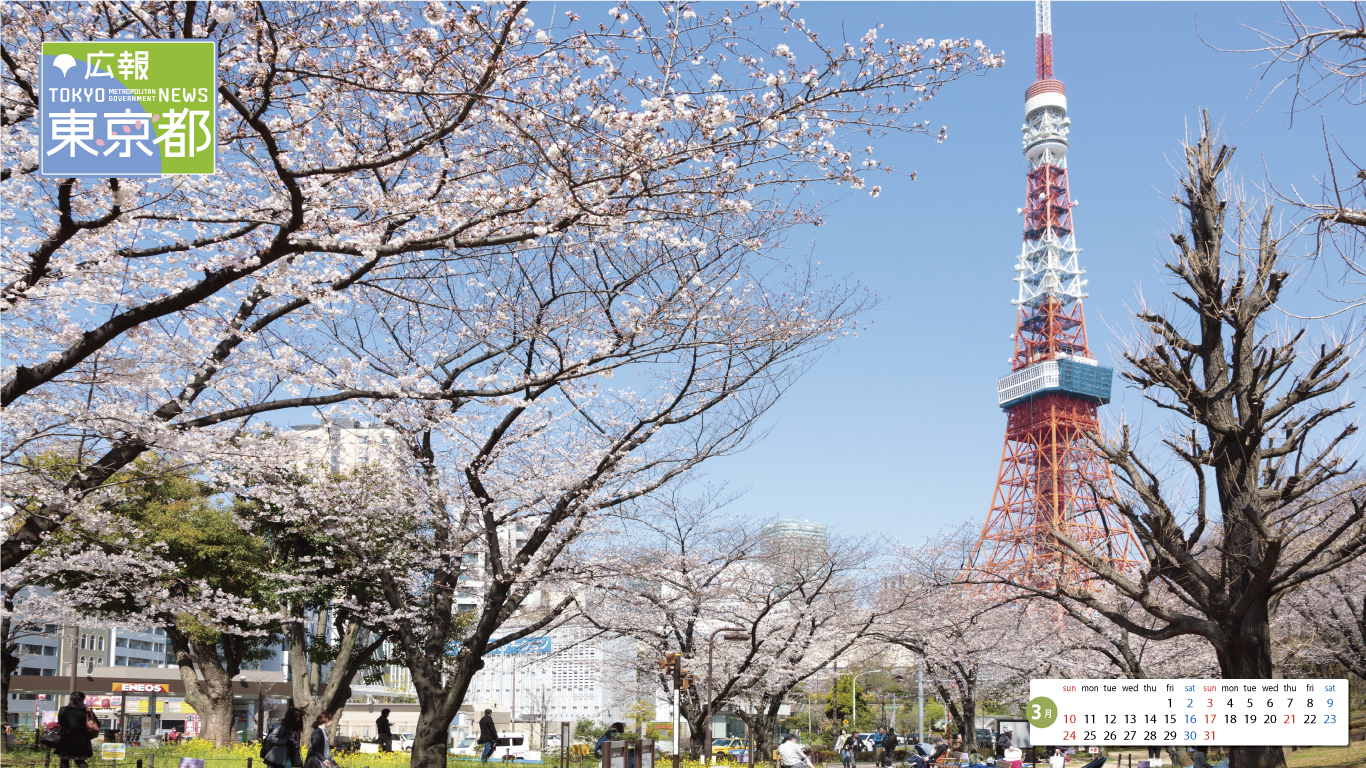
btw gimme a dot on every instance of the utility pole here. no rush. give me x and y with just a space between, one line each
920 685
673 664
853 695
75 635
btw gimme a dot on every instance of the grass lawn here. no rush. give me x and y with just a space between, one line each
1351 756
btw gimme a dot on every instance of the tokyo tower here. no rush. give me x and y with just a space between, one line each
1050 473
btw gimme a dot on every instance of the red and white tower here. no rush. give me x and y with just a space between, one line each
1050 473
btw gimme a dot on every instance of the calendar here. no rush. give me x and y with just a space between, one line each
1159 712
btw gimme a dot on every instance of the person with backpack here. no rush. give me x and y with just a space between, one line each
78 727
280 747
889 742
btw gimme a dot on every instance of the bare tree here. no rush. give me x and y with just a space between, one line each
1318 62
1255 517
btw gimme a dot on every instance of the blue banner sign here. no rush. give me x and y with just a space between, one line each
525 645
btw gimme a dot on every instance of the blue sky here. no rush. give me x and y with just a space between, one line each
898 430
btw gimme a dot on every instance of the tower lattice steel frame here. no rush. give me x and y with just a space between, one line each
1050 472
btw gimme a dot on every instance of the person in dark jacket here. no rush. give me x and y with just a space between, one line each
1006 738
889 743
282 743
616 732
386 732
319 746
75 738
488 735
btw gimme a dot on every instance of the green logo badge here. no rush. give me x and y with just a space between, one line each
128 108
1042 711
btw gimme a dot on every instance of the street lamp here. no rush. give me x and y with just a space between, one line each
853 695
735 634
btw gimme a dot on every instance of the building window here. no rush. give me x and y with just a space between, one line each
101 648
49 650
120 642
82 660
49 673
120 661
83 642
158 631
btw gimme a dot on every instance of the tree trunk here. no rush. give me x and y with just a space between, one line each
9 660
313 692
1246 654
429 741
211 697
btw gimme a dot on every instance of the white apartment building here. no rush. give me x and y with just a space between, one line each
341 444
564 674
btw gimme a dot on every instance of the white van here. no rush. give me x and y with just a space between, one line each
513 743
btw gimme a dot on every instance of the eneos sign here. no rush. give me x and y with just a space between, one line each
143 687
113 108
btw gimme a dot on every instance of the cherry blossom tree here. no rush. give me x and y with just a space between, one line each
1327 617
685 570
383 154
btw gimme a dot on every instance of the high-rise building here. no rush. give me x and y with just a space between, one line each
784 535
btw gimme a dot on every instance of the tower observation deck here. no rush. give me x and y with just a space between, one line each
1051 477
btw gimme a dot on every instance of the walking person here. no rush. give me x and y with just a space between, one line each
845 746
281 746
889 742
319 745
385 730
79 726
488 735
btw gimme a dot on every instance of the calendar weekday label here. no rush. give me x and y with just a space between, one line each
1158 712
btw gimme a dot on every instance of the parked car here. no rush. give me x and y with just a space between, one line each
730 747
465 746
403 742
